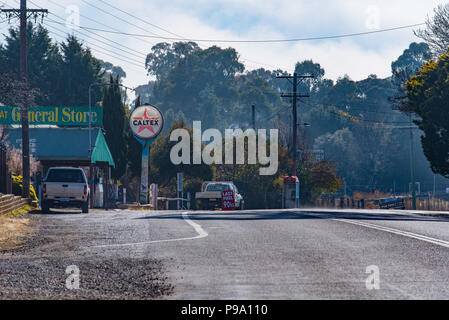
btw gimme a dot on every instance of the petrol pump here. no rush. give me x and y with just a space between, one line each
290 192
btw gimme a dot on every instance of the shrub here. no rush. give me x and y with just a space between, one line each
17 184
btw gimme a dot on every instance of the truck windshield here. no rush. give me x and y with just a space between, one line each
217 187
65 175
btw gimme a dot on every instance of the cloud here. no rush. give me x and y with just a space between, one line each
254 19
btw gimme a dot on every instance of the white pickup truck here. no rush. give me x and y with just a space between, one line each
65 187
210 195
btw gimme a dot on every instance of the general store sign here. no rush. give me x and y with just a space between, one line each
62 116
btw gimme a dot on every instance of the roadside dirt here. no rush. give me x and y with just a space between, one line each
12 231
33 266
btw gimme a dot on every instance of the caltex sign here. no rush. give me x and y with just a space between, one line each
146 122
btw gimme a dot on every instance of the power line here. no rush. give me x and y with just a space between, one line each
144 21
168 31
119 56
376 111
129 51
100 23
140 39
106 43
107 52
259 41
165 30
356 119
117 17
187 39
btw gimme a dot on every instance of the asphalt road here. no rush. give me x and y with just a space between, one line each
277 254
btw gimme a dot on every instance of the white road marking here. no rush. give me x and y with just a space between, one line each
199 230
438 242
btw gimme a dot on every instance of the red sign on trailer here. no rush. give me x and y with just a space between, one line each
228 200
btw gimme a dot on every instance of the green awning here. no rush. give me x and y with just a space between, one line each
101 151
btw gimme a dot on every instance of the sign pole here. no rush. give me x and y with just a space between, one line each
143 194
180 189
144 174
146 123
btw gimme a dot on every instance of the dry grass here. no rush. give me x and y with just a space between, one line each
12 231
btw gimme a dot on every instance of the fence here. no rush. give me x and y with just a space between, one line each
426 202
341 202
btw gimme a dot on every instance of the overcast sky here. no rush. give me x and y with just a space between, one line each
357 57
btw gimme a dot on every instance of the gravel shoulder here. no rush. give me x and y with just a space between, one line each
36 267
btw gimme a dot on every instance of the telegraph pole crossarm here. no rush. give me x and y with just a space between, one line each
291 95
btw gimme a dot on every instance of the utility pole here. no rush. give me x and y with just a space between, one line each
23 13
294 97
434 176
253 116
412 170
412 162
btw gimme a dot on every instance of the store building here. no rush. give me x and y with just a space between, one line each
56 146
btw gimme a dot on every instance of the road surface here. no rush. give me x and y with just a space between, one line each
277 254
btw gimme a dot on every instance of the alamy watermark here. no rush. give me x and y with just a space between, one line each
372 21
373 280
212 153
72 282
72 20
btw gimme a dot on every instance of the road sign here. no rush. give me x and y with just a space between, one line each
146 122
228 200
180 182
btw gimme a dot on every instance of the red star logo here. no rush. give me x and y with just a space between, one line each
145 127
146 117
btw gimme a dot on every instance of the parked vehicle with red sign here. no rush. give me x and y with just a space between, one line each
65 188
211 196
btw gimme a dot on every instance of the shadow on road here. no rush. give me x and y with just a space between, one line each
58 212
288 215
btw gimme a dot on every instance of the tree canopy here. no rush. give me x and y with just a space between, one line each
436 33
428 97
352 121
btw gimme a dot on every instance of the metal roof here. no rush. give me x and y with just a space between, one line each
101 152
62 143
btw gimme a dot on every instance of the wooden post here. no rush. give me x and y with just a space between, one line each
91 185
106 205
